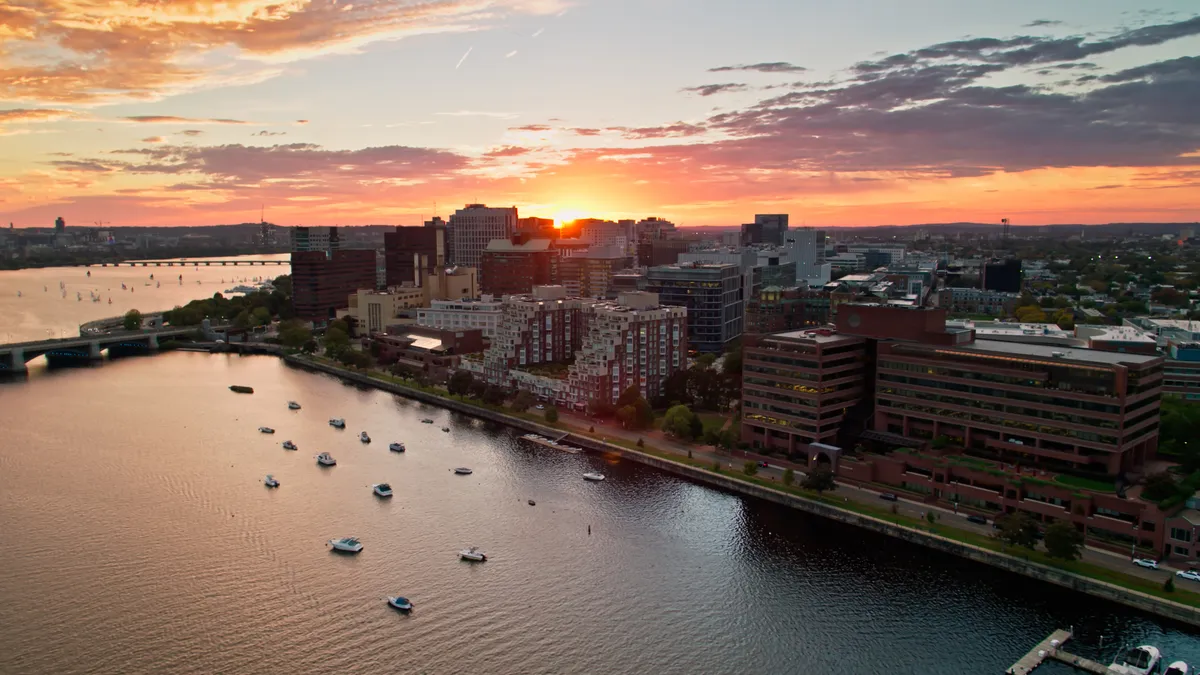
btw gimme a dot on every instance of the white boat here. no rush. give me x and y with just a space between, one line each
473 554
337 423
593 476
426 421
346 544
463 471
270 481
292 405
288 445
382 490
401 603
1177 668
266 430
1140 660
362 436
326 459
396 447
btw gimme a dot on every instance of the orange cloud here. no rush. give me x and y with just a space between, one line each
88 51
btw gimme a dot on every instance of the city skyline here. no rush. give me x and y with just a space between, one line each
375 112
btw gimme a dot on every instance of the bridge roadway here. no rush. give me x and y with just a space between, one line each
13 357
188 263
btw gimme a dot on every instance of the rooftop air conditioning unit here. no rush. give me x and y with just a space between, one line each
1058 355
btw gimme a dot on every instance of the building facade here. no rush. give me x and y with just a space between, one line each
483 315
541 327
306 239
514 266
473 226
766 229
777 309
712 294
590 275
322 281
407 245
429 351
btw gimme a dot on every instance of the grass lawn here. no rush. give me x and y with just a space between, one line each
1086 483
713 421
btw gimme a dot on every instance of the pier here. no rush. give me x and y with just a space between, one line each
552 444
1051 648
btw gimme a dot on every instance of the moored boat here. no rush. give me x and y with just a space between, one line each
270 481
337 423
288 445
426 421
292 405
463 471
396 447
446 429
237 388
593 476
266 430
362 436
1177 668
382 490
472 554
401 603
326 459
1140 660
346 544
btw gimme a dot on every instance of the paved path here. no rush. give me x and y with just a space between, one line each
736 459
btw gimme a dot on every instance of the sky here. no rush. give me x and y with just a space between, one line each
704 112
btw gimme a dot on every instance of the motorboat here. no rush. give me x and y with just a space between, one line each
463 471
241 389
266 430
473 554
362 436
1140 660
1177 668
426 421
396 447
593 476
382 490
401 603
346 544
532 503
270 481
337 423
292 405
288 445
446 429
326 459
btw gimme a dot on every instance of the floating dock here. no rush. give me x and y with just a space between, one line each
552 444
1051 648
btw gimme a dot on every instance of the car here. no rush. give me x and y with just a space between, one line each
1191 575
1146 562
889 497
764 465
541 407
977 519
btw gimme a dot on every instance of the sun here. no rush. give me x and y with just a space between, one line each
566 216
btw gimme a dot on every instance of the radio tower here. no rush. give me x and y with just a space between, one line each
1004 222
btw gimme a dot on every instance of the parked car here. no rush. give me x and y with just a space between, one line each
541 407
887 496
1146 562
977 519
764 465
1191 575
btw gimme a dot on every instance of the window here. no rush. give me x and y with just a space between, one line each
1181 534
1181 550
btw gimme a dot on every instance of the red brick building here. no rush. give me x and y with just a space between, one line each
514 266
431 351
401 247
322 281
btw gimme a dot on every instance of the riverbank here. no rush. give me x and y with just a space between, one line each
1184 606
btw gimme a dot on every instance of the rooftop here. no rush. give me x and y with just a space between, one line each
817 335
506 246
1118 334
1055 352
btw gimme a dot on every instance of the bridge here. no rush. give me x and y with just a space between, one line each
13 357
189 263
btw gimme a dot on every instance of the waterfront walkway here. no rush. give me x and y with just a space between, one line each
1051 648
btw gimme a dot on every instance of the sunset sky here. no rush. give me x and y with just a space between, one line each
704 112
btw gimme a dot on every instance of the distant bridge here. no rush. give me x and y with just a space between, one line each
13 357
189 263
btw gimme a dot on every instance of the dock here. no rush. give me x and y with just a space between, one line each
1051 648
552 444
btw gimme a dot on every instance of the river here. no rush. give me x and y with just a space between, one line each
138 538
33 306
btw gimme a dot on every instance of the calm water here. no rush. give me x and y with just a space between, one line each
37 314
137 537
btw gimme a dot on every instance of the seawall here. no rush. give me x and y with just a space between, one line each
1130 598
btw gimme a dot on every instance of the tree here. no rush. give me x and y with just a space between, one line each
293 333
1017 529
309 347
523 401
478 389
355 358
696 427
261 316
820 478
339 324
336 342
1063 540
789 477
1159 486
750 468
552 415
675 388
601 409
460 383
930 518
133 320
628 397
494 395
1169 584
678 422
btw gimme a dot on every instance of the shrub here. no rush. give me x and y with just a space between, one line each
789 477
750 468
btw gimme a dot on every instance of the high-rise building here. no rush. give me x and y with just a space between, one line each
401 246
590 274
653 252
536 328
538 228
315 239
766 229
806 248
473 226
634 341
322 281
776 309
606 233
515 265
1002 275
60 225
745 258
653 228
712 294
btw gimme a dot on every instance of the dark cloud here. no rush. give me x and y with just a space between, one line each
772 67
81 166
1037 23
1107 187
191 132
508 151
710 89
171 119
585 131
264 132
531 127
676 130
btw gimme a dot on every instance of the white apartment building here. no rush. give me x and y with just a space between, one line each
536 328
483 314
472 227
